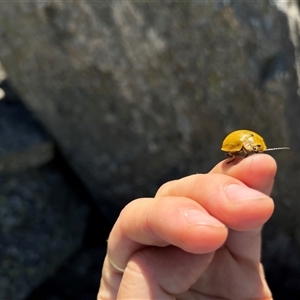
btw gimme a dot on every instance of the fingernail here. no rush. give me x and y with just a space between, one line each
237 192
198 217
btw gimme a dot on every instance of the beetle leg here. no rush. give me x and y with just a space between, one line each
232 156
245 152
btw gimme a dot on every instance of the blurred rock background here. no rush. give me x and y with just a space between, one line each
105 101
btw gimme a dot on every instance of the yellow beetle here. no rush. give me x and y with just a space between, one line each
244 142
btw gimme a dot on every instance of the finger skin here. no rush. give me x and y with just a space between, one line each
161 273
162 221
150 221
227 199
261 168
158 222
256 171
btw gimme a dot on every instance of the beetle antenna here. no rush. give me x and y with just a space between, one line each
278 148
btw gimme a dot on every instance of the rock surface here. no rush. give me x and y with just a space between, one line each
136 93
42 219
24 145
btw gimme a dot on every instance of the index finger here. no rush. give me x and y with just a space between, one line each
256 171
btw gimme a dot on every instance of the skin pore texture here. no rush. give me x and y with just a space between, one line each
198 238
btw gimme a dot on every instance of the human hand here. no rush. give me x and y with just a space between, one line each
198 238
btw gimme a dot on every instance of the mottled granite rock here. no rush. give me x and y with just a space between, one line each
137 93
24 144
42 217
42 222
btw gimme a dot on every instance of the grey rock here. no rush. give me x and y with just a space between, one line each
137 92
42 218
42 222
36 156
24 144
78 278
